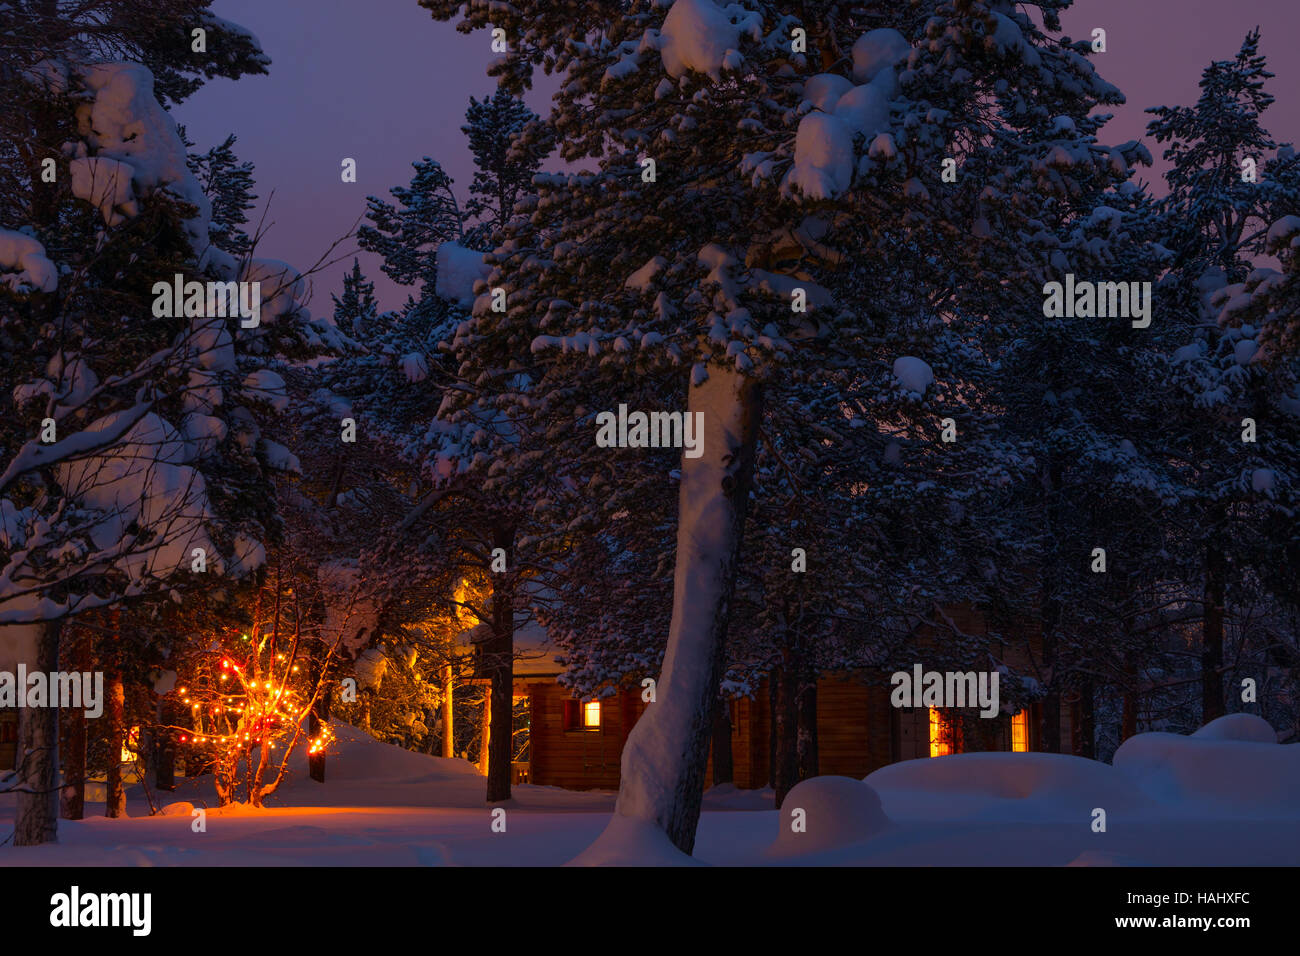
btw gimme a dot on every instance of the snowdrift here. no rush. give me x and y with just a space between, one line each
1222 770
1005 786
825 813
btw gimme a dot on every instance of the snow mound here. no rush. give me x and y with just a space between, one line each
1247 727
356 756
837 811
458 269
1004 786
180 808
1218 773
630 841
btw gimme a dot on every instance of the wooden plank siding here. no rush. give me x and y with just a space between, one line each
577 759
8 740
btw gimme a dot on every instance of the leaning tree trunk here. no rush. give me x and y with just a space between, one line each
500 661
37 819
115 792
666 752
1213 704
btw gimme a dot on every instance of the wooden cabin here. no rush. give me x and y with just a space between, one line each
577 744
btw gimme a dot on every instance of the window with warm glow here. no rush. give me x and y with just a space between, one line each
941 734
1020 732
580 716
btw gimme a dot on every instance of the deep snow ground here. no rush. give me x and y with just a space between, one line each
1169 800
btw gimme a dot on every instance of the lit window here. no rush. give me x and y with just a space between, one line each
1020 732
940 734
580 717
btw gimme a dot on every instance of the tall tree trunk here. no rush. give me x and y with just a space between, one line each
114 791
37 819
1129 716
501 664
1213 704
72 801
724 770
164 759
1085 723
1049 735
806 724
785 726
72 796
666 752
365 709
773 704
448 713
485 735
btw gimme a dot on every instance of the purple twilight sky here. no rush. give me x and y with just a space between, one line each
383 83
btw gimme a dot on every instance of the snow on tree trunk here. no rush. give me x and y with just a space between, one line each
665 754
37 819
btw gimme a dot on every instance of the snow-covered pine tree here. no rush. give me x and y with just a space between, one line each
1229 184
732 167
407 234
356 309
1082 392
228 183
508 150
130 432
465 526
